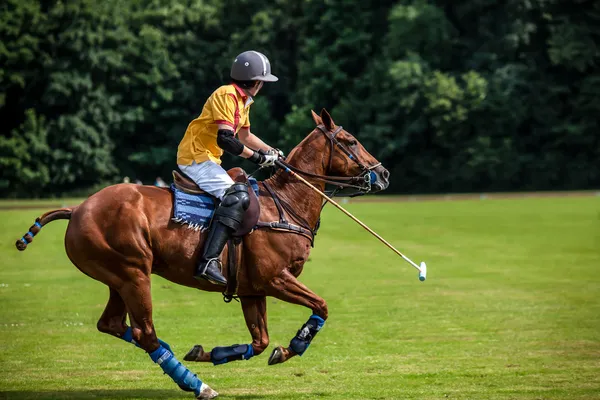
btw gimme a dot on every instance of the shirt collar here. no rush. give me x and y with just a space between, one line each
246 98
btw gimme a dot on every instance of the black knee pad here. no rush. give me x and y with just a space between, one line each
235 202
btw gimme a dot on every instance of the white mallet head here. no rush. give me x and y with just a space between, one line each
422 271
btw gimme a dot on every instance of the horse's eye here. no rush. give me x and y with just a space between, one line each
353 143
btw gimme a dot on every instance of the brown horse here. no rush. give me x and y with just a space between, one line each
124 233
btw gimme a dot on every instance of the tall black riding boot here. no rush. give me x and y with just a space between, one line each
210 265
228 218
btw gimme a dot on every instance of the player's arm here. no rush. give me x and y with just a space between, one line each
251 140
229 143
223 110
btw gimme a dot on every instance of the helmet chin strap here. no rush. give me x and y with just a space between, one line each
256 88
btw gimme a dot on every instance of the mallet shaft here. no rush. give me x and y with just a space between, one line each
342 209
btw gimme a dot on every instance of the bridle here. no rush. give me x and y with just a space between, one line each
361 182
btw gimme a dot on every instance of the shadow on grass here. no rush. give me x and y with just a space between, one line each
128 394
94 394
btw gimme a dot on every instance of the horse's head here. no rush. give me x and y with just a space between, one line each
349 159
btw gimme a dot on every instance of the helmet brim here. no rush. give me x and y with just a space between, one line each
266 78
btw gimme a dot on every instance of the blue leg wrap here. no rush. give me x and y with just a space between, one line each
128 337
177 371
165 345
306 334
222 355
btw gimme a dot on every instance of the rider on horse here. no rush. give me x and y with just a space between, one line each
225 114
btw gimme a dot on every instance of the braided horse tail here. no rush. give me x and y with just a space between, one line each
63 213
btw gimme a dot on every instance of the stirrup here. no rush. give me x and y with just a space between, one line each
202 274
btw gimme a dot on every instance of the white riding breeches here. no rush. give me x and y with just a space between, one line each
209 176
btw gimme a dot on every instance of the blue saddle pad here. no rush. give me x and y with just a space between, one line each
196 210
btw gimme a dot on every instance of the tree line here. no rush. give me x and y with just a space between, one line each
460 96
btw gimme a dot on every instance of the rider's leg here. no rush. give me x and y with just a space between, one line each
227 219
209 176
213 179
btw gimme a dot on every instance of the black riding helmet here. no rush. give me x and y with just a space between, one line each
252 66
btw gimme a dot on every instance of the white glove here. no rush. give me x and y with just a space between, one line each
277 152
269 160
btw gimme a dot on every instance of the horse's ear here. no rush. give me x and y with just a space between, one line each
316 118
327 120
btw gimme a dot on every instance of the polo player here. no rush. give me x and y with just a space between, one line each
226 114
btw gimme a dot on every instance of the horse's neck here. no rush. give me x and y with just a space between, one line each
304 200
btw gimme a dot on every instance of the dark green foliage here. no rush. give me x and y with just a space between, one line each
471 95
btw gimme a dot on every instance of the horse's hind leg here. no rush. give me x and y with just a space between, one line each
255 313
113 322
137 298
287 288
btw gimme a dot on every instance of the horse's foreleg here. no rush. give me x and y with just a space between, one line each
113 318
255 313
137 298
287 288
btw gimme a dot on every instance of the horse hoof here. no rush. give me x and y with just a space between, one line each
276 356
206 392
194 354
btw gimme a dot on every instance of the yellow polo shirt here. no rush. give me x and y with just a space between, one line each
227 105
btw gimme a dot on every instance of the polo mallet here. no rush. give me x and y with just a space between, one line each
422 268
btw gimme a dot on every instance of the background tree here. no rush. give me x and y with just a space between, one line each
469 95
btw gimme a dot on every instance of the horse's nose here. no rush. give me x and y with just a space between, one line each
383 180
385 174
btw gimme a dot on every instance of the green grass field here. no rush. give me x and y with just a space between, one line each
510 310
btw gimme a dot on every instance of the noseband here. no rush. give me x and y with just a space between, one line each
361 182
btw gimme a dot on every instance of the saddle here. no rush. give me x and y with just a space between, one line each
249 222
251 215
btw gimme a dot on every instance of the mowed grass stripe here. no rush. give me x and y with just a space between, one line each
510 310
